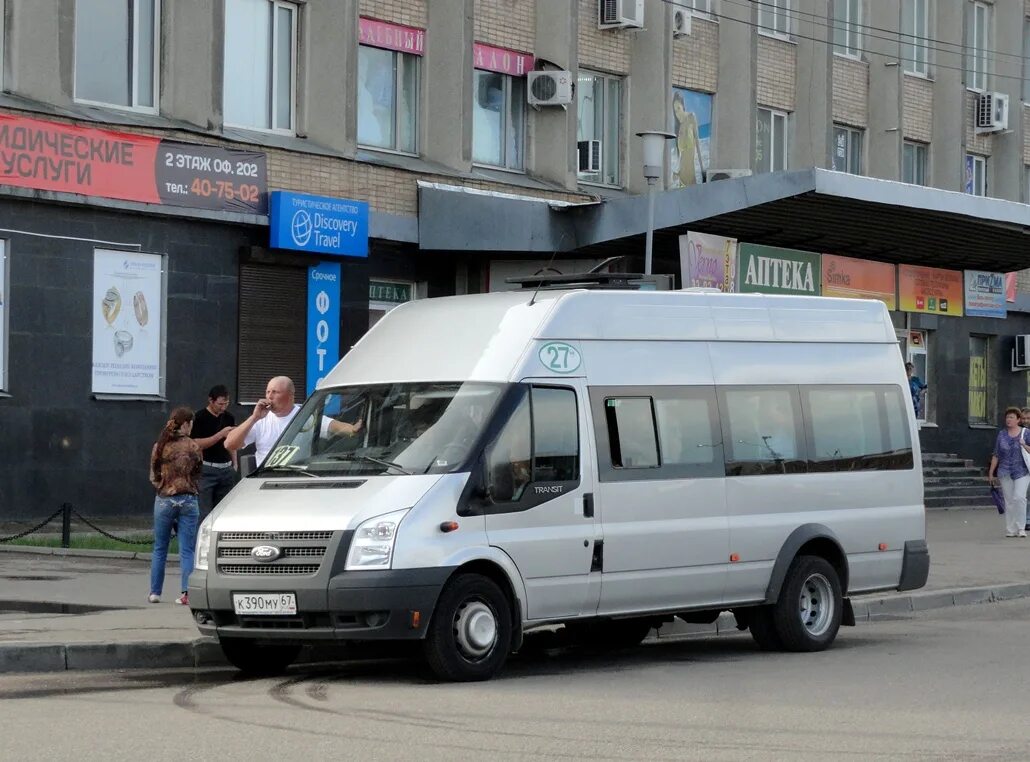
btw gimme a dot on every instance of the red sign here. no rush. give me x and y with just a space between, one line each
66 158
502 60
382 34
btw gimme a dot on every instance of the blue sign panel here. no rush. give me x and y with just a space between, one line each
323 321
318 224
985 294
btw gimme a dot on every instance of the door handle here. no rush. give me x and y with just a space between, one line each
588 505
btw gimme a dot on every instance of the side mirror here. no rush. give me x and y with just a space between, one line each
247 464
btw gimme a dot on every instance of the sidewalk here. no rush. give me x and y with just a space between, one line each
42 628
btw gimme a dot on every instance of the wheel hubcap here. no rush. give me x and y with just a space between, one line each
475 629
816 604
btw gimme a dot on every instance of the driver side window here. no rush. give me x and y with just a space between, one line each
508 458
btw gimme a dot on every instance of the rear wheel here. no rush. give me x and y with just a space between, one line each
470 633
257 658
808 613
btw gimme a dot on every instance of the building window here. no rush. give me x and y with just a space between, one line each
387 99
697 7
771 141
498 120
599 112
979 35
976 175
774 17
913 163
979 381
915 33
260 66
116 52
847 19
1026 60
847 150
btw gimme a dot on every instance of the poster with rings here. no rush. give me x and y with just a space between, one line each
128 315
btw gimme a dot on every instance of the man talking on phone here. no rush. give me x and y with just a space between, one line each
270 418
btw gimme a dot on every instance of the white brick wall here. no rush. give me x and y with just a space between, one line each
410 12
506 23
850 92
777 73
695 58
918 109
601 49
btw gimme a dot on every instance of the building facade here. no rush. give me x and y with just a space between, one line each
144 143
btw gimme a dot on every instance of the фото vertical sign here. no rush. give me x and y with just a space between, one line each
323 321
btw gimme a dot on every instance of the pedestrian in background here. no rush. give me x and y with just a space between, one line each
917 387
1008 464
175 466
211 425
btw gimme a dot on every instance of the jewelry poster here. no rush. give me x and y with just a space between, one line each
128 310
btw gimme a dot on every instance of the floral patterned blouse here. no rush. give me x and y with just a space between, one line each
179 468
1010 459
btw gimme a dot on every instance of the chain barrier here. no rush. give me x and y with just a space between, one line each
69 512
36 528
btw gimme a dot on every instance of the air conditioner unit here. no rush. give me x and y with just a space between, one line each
589 152
620 14
681 23
1021 353
726 174
549 88
992 112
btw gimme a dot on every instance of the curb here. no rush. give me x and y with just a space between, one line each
205 652
127 555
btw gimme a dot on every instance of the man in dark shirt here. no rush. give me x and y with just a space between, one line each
211 425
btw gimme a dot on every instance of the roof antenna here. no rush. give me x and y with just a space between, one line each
551 262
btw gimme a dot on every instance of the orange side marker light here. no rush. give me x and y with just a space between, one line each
448 526
883 546
416 619
734 557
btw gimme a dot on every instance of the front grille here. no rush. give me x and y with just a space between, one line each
266 536
318 552
261 569
301 553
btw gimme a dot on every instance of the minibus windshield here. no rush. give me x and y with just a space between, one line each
404 428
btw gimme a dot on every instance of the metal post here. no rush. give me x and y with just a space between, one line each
648 247
66 525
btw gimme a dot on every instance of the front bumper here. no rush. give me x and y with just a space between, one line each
367 605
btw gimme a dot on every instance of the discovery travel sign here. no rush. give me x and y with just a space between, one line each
318 224
67 158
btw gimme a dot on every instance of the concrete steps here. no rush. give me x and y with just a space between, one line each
951 482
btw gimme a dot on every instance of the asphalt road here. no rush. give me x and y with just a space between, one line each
948 684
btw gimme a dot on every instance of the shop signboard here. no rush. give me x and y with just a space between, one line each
383 34
772 270
318 224
389 292
67 158
128 323
502 60
930 289
323 321
4 300
985 294
851 278
708 261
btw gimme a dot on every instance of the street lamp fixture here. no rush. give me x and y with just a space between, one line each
654 162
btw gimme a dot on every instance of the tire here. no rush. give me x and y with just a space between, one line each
258 659
763 628
613 634
807 614
469 636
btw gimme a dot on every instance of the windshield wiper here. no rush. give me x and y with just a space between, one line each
369 459
295 468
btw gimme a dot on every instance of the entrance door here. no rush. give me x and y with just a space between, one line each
916 353
541 494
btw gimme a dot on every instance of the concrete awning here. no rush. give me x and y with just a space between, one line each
813 209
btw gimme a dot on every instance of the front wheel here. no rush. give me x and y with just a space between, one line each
470 634
808 612
256 658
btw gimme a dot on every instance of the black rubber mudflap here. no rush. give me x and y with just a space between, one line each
847 617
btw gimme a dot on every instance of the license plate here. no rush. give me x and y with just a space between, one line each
256 604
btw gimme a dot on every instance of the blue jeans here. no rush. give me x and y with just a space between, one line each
186 510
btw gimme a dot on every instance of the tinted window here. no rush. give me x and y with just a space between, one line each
685 431
631 432
508 457
761 431
846 429
899 438
555 435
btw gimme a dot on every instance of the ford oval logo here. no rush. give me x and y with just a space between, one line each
266 553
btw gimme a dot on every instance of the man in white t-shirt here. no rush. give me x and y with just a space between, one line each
270 418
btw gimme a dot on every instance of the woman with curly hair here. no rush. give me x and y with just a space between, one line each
175 467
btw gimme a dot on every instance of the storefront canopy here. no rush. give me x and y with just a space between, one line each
812 209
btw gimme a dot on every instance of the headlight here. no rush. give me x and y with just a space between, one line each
372 546
203 544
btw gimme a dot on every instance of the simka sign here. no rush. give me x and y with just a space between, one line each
66 158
